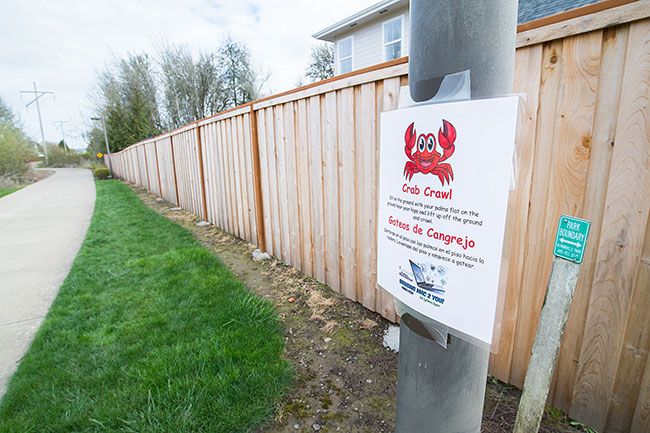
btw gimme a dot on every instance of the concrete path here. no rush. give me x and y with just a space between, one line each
42 227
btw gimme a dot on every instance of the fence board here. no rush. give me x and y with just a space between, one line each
250 179
387 102
636 346
242 145
147 168
216 176
349 180
293 214
232 145
304 188
208 172
158 190
221 174
641 420
527 80
331 191
166 170
281 167
225 178
366 138
273 179
314 116
264 179
536 265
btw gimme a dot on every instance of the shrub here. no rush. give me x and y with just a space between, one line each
100 172
15 152
58 156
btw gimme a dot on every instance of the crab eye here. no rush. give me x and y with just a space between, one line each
421 144
430 144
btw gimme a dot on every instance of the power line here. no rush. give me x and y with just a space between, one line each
17 48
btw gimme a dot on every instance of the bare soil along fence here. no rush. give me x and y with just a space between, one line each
296 174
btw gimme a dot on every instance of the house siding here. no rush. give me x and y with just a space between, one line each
367 41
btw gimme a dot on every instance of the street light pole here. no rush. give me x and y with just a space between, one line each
108 148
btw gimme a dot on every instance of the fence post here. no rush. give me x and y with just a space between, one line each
171 145
257 181
201 173
155 149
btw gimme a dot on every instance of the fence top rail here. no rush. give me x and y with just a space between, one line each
572 13
605 13
596 16
233 112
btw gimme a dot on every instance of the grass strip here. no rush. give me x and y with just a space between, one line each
149 333
8 190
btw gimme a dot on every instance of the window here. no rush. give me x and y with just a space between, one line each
345 55
392 31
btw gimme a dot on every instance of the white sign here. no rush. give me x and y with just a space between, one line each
445 173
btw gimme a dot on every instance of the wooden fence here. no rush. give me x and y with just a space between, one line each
296 174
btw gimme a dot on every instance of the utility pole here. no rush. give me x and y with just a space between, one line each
441 377
37 95
59 124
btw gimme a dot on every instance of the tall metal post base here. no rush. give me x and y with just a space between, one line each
439 390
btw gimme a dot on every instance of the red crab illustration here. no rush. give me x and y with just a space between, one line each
426 159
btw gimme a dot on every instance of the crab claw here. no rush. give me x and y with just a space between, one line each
444 173
446 135
409 170
409 140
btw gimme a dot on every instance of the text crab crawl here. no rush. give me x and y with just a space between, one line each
428 192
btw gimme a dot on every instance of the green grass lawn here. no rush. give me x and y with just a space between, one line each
8 190
149 333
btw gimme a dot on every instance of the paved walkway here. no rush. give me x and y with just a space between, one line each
41 229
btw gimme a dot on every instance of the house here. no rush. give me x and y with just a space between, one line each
380 32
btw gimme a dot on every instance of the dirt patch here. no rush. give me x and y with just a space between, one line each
345 379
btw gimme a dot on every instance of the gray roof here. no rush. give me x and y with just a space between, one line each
530 10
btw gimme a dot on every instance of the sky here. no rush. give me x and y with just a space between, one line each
63 44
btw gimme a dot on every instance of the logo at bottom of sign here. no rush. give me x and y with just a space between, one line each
571 238
428 281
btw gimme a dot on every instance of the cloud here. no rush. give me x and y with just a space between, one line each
65 43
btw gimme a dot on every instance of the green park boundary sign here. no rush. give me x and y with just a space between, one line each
571 238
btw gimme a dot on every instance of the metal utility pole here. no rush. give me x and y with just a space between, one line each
59 124
441 380
108 148
37 95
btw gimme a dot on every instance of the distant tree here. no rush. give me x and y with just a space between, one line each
321 65
95 140
16 150
128 101
7 115
240 80
15 147
139 99
192 89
